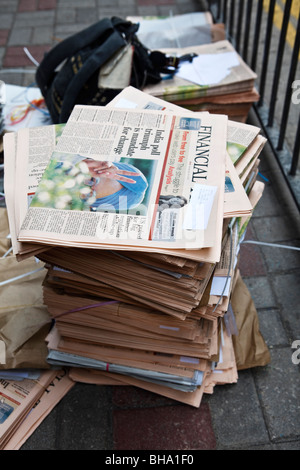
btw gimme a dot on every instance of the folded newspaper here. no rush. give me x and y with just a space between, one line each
201 77
130 178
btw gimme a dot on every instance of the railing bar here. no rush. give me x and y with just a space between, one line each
287 101
256 34
279 58
214 7
295 158
239 25
275 153
231 18
247 29
266 51
218 9
225 12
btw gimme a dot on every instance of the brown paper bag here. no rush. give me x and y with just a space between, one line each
24 320
249 346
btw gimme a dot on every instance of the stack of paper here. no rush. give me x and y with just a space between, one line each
140 294
216 80
184 30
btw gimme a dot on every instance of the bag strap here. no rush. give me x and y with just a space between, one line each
68 47
112 44
124 26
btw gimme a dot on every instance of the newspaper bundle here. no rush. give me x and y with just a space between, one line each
199 85
147 178
138 283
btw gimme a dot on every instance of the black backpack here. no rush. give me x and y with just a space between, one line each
80 58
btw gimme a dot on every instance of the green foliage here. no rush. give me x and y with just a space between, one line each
64 186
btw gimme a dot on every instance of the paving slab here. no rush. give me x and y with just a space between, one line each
286 287
261 291
164 428
237 417
278 386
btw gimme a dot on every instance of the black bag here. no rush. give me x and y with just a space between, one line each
80 58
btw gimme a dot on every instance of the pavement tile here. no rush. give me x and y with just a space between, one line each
65 15
282 259
236 414
268 205
47 4
278 386
46 436
264 404
9 77
134 397
9 6
63 31
15 56
20 36
115 4
81 426
2 51
164 428
27 5
154 2
42 35
290 445
6 20
286 288
86 15
3 36
271 328
274 229
261 291
33 19
251 262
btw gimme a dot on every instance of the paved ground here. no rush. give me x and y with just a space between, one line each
261 411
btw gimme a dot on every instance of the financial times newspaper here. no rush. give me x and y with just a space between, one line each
131 177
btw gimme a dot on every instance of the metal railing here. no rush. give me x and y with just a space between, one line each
266 34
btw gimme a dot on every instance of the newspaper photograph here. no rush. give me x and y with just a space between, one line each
126 177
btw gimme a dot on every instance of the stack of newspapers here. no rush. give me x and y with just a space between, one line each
213 77
137 211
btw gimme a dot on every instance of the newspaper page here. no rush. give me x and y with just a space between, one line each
128 177
236 200
239 137
249 156
16 400
26 152
57 389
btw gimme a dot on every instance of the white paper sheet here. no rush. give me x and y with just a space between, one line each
198 210
21 96
208 69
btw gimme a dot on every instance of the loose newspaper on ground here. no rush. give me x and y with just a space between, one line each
17 398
